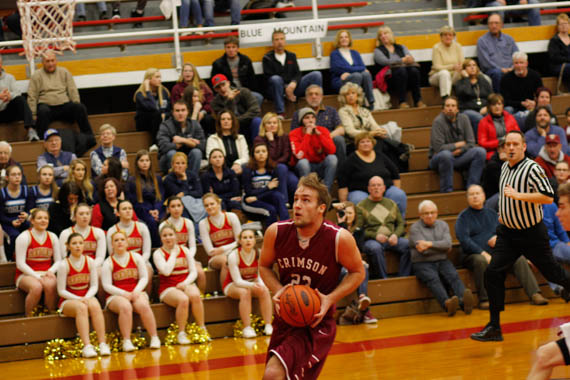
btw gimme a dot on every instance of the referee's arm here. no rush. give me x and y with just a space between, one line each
539 181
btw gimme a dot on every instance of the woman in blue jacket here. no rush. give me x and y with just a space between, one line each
347 66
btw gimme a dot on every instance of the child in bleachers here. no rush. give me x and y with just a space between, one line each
152 101
79 174
177 271
37 257
46 191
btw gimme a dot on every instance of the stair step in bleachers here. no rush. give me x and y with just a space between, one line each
426 181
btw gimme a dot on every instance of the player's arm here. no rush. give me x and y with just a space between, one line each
349 257
266 260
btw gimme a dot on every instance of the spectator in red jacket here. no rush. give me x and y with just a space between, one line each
550 154
495 125
313 148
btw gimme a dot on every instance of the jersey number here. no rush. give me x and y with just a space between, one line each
296 279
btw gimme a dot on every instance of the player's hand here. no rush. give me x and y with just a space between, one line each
325 306
510 192
277 299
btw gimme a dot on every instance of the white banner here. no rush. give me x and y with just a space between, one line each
294 30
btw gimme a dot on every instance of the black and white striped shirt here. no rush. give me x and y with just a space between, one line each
525 177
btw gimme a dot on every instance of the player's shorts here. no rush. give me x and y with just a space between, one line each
301 350
564 349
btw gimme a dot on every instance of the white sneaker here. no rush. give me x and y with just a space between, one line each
268 330
33 135
89 351
153 148
284 4
154 342
104 349
128 346
182 338
248 332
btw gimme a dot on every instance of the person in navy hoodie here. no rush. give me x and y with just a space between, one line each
16 201
347 66
107 149
54 156
146 193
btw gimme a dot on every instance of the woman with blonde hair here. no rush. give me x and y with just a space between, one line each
347 66
447 59
190 77
558 48
152 101
405 71
79 174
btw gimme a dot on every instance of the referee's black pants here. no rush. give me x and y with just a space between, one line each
511 244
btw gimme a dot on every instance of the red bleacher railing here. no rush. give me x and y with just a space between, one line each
542 12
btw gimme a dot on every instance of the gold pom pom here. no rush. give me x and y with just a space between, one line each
57 349
196 334
257 323
39 311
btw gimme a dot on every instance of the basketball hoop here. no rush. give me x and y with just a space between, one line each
46 25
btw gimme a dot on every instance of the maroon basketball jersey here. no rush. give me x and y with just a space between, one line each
317 265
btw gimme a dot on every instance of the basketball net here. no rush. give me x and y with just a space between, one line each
46 25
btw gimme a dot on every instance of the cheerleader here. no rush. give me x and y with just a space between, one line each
77 285
243 282
15 204
94 242
37 257
138 236
45 193
124 278
185 235
177 271
219 232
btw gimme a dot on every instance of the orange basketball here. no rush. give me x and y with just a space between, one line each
298 305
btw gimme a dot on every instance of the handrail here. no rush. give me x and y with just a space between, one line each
542 12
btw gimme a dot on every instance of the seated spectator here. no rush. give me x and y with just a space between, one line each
52 95
542 97
536 137
16 202
495 51
384 229
354 174
327 117
271 134
68 197
405 71
495 125
137 12
180 134
447 59
194 99
533 14
430 242
561 175
550 154
346 65
567 114
491 175
13 106
347 218
107 137
242 101
79 174
237 67
191 8
146 193
519 86
77 290
452 146
54 156
152 102
282 73
223 6
82 14
244 282
557 237
126 291
558 58
190 77
105 210
6 160
37 257
475 229
261 179
219 233
222 181
472 92
313 149
184 183
233 145
45 192
112 167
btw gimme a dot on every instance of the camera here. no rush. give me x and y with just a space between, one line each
341 213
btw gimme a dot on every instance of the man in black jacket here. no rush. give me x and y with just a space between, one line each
282 73
236 67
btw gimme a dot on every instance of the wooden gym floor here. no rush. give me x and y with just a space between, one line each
428 346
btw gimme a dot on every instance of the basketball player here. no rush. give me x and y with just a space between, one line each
308 251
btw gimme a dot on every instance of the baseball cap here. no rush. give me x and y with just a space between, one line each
218 79
50 132
304 112
552 139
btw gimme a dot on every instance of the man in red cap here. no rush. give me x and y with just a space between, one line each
550 154
241 102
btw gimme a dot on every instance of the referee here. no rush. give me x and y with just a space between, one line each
523 188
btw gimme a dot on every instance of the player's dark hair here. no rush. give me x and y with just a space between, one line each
312 181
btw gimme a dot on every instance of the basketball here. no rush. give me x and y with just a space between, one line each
299 303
